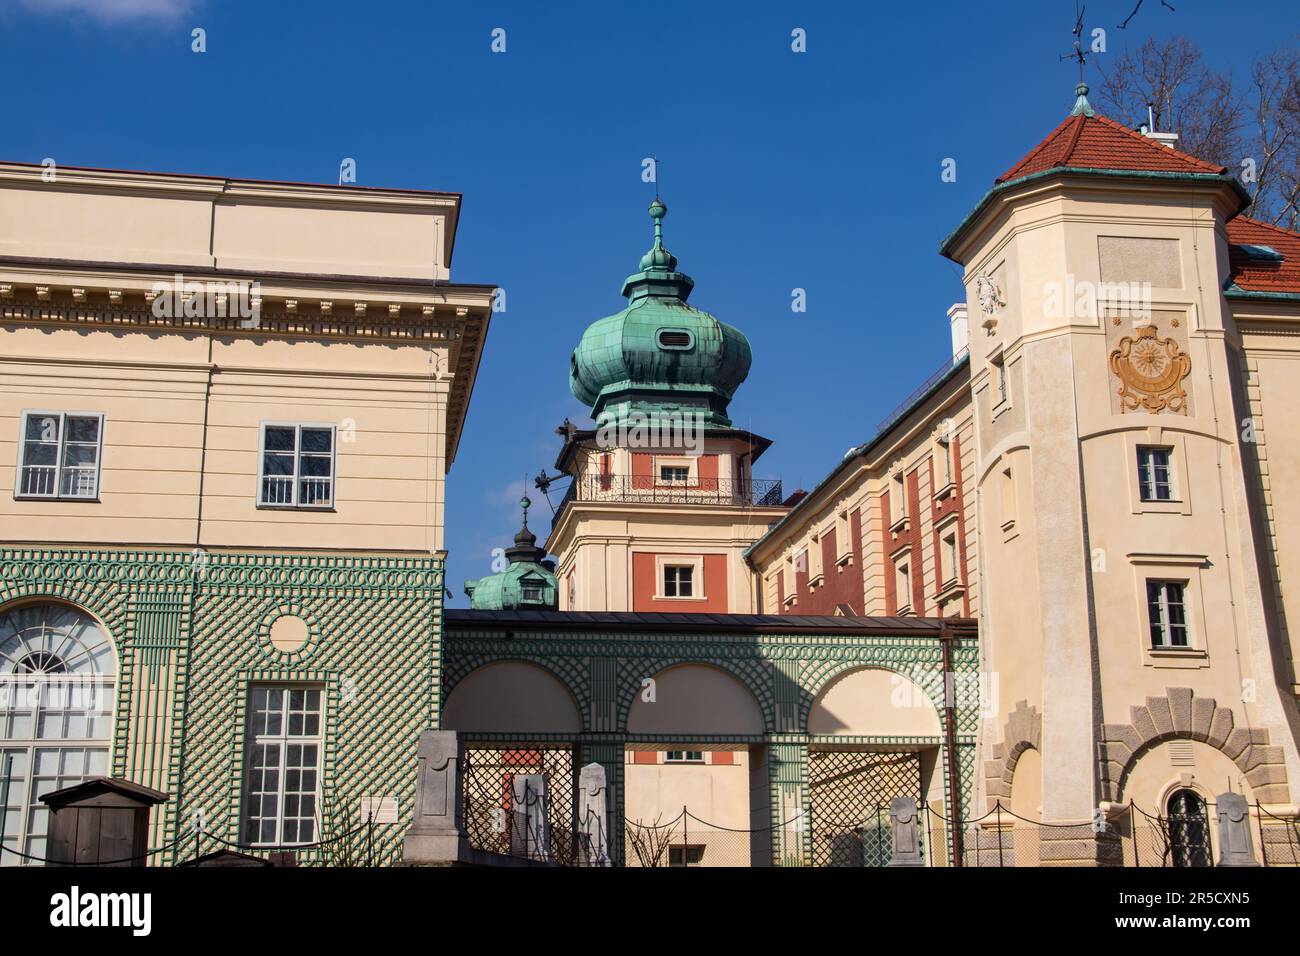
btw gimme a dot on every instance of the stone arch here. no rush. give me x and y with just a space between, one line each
1023 731
512 696
756 679
697 699
1180 714
849 703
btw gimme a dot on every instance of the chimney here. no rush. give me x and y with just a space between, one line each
960 330
1148 130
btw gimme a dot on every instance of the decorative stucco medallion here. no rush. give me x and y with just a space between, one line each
1150 370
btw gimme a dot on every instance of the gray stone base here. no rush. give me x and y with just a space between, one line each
1079 846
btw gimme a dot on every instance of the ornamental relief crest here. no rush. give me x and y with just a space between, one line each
1151 371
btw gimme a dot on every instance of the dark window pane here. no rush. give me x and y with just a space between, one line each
277 464
314 466
83 430
279 439
317 439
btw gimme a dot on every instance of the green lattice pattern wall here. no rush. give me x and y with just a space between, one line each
204 623
785 672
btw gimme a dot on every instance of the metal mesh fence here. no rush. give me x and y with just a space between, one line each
497 803
849 794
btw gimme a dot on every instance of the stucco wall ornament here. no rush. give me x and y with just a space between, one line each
1151 372
990 299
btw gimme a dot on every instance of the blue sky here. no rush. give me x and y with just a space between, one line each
818 170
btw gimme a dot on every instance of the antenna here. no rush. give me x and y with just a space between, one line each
1078 55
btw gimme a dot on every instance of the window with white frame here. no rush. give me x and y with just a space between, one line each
533 592
684 756
674 474
60 455
948 558
282 781
815 557
897 498
945 454
903 585
297 466
1167 613
1155 476
679 580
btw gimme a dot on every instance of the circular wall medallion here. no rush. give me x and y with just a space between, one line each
289 634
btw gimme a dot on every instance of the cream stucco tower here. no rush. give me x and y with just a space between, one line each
1123 615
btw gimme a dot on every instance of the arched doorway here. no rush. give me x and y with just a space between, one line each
58 674
518 722
1189 829
696 785
851 782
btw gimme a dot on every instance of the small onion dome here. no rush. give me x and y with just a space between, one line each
659 355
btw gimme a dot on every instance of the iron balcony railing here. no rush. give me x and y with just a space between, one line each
646 489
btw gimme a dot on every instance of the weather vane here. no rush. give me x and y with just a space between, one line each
1078 55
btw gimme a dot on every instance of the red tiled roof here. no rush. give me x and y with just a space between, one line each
1263 275
1095 142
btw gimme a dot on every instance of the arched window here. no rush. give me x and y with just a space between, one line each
57 678
1189 829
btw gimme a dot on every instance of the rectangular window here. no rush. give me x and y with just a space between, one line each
678 580
1154 475
533 592
945 453
674 474
297 466
1167 613
688 855
898 497
948 558
903 584
684 756
60 455
282 780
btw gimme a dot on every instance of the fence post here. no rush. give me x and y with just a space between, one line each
437 832
592 810
999 811
905 848
528 819
1234 831
1133 831
685 823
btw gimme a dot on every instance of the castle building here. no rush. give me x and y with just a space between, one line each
1091 476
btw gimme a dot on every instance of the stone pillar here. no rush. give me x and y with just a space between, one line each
529 832
437 833
1236 848
906 842
788 769
593 820
609 754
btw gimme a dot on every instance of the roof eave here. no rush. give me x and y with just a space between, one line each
953 239
862 450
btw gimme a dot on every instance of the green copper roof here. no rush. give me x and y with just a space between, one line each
659 356
525 583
